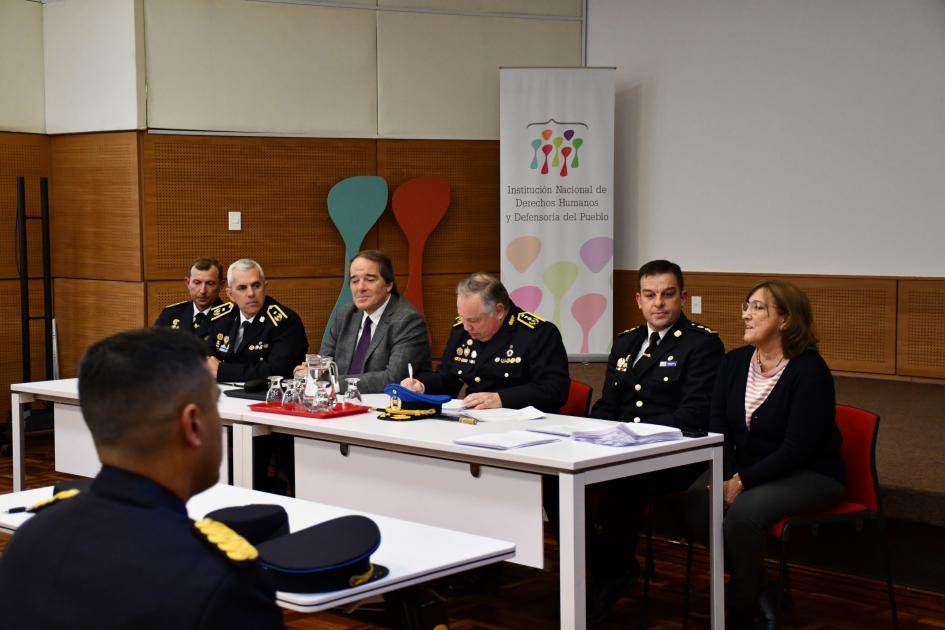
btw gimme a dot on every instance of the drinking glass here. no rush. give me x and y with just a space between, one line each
352 394
292 398
275 390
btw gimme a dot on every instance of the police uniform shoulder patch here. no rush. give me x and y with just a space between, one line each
458 321
219 311
629 330
233 546
703 329
56 498
276 314
177 304
529 319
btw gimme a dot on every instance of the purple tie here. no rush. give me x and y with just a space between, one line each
360 351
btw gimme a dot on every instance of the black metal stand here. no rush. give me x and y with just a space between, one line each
23 268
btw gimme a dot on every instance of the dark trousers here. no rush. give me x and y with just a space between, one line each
746 522
615 515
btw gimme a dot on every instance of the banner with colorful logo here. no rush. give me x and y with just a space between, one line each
556 199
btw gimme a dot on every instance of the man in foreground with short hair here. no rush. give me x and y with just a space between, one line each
204 281
253 336
124 554
659 373
506 357
376 336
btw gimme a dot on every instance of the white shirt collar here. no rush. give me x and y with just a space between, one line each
376 315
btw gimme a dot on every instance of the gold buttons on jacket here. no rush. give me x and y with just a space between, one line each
477 379
639 403
637 387
637 419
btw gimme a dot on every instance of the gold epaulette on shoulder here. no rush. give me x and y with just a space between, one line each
219 311
629 330
176 304
276 314
704 329
458 321
234 546
56 498
529 319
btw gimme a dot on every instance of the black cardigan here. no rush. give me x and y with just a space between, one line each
794 428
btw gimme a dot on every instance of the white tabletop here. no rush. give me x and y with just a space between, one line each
436 436
413 552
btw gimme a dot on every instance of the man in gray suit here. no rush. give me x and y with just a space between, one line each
375 338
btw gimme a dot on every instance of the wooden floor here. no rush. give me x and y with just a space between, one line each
520 597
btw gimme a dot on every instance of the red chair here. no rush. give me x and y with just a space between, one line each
860 504
579 399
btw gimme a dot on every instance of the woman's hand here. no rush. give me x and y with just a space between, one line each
731 489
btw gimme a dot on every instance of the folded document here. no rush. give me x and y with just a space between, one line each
628 434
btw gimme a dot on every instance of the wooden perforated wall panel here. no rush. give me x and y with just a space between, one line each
467 238
855 317
26 155
280 185
96 221
11 356
922 328
90 310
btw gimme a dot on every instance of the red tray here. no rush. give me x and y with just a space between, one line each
341 409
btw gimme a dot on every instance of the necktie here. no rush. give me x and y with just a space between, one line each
199 319
654 341
242 334
360 351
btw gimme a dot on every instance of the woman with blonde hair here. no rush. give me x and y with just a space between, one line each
774 403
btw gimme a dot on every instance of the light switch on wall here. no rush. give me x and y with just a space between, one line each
695 304
236 220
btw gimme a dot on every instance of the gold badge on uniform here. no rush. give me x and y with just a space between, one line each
678 333
175 323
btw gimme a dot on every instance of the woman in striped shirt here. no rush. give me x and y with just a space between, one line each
774 402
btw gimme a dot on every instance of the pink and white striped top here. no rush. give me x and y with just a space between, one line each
760 384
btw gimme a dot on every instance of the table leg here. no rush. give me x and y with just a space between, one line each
715 543
243 455
16 437
572 552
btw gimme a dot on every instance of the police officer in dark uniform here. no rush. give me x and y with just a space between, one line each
506 357
253 336
659 373
124 553
204 281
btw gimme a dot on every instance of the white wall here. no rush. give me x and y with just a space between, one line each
21 66
796 136
92 65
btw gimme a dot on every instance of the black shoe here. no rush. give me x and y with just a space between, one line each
604 594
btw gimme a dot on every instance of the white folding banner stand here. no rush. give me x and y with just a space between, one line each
556 199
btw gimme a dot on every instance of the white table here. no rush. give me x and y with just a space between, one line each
413 470
413 552
74 451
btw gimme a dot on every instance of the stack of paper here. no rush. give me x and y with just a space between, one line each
569 429
507 440
628 434
455 409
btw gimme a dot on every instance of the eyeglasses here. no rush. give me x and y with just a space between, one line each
755 306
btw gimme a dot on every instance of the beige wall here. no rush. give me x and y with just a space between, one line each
21 66
93 66
406 69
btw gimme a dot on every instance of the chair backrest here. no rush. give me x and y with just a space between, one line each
579 399
859 429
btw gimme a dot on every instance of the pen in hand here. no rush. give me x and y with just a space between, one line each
410 370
